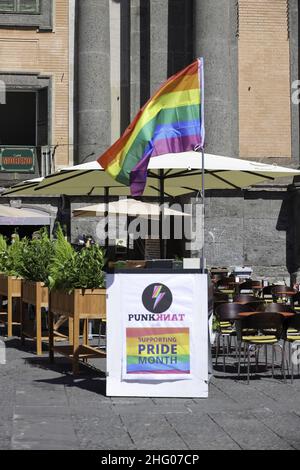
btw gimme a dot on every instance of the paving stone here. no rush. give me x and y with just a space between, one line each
200 432
42 407
100 432
248 432
286 425
150 432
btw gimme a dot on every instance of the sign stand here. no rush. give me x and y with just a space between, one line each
157 333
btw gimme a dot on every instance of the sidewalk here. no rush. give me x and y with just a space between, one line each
42 407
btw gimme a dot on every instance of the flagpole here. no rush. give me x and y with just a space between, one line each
203 210
203 160
106 218
161 213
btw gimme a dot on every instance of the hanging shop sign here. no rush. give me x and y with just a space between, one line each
157 334
17 160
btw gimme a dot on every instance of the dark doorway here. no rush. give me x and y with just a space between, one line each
18 119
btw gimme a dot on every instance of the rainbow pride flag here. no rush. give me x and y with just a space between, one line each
172 121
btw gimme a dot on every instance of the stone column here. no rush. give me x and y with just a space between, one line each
93 79
135 59
158 43
215 29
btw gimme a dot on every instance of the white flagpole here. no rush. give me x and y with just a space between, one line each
203 211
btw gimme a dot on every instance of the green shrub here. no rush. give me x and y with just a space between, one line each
71 270
89 263
37 255
13 260
3 253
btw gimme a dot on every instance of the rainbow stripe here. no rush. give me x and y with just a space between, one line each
158 295
156 360
171 121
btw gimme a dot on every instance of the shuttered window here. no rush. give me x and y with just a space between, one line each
31 7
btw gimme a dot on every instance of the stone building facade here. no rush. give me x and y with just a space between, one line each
120 51
37 70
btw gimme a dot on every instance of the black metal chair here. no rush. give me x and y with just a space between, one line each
292 337
226 283
250 285
250 300
267 294
278 308
226 315
269 330
283 294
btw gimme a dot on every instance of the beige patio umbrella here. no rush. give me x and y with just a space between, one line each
174 174
168 175
14 216
24 188
128 207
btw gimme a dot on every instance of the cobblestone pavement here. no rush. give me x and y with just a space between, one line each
42 407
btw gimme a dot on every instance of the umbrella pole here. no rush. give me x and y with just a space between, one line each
203 210
161 212
106 216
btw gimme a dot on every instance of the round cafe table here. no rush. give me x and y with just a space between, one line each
248 314
288 293
258 301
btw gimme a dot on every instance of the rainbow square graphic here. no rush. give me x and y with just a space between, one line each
158 351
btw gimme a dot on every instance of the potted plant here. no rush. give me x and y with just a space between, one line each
77 280
11 257
34 267
77 284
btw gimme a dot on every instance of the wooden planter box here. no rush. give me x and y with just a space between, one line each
35 293
79 305
86 303
10 287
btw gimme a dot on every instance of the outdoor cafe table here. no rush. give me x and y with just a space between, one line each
289 294
249 314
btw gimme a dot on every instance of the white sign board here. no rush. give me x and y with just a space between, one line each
157 335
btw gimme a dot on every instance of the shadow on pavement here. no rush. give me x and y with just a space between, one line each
89 378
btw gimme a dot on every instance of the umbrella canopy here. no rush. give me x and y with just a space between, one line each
25 188
130 207
180 172
13 216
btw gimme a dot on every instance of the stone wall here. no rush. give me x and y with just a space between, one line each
251 228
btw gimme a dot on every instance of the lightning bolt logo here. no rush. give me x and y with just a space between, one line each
157 295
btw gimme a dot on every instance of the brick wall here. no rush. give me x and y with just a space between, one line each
46 53
264 79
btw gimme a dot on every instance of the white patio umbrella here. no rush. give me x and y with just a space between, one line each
168 175
128 207
24 188
180 174
14 216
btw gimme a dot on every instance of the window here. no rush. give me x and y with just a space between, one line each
31 7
